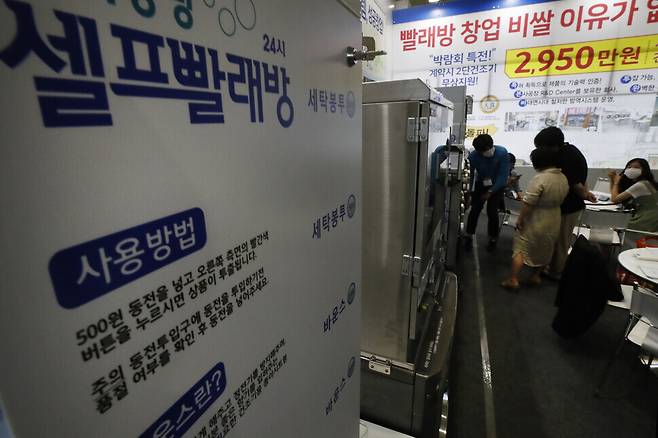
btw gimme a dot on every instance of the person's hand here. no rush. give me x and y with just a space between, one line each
520 223
589 196
612 175
486 195
615 178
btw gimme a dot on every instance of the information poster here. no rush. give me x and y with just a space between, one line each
181 218
589 67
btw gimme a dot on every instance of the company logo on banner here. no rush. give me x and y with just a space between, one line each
589 67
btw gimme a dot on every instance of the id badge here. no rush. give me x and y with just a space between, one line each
487 182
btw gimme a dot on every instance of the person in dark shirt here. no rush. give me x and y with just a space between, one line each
490 167
574 167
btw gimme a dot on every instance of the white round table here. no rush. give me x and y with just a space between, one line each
642 262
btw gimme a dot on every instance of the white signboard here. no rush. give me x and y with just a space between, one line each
589 67
374 24
181 228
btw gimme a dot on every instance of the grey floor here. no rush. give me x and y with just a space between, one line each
543 386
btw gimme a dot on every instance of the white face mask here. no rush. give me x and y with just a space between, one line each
489 153
632 173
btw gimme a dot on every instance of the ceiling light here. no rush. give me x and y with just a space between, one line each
432 1
391 6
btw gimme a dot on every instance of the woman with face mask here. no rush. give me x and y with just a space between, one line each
636 184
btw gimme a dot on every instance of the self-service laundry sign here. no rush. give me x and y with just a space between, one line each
181 227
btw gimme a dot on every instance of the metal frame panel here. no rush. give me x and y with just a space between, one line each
390 166
402 90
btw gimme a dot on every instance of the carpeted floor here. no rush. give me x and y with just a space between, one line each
543 386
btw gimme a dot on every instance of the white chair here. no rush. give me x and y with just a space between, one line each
603 227
641 329
629 236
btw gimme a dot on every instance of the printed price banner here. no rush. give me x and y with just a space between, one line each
592 57
589 67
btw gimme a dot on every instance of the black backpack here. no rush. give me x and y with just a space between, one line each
585 288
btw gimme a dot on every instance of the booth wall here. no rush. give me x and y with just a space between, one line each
589 67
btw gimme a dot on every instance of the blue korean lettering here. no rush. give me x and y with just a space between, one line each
285 100
190 67
70 42
248 74
71 102
217 73
27 40
59 110
129 37
190 406
92 269
63 102
209 110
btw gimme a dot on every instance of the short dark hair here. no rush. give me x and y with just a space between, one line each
512 157
543 158
549 137
483 142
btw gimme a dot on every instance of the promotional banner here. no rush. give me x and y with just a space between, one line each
589 67
181 218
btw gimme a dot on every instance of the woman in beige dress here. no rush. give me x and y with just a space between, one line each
539 222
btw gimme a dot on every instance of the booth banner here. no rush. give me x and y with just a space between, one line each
589 67
373 22
181 224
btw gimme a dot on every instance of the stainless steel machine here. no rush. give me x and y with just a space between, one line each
456 207
411 173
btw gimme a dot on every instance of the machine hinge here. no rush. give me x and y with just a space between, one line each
379 366
418 129
410 266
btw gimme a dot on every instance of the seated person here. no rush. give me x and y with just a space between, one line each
636 185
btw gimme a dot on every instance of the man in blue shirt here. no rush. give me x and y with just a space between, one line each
490 169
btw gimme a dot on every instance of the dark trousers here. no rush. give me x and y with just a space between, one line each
477 204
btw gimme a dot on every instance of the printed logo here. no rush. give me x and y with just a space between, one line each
351 293
625 79
351 206
518 93
635 88
78 93
89 270
489 104
523 103
513 85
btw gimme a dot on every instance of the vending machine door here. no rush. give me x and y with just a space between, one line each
390 168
